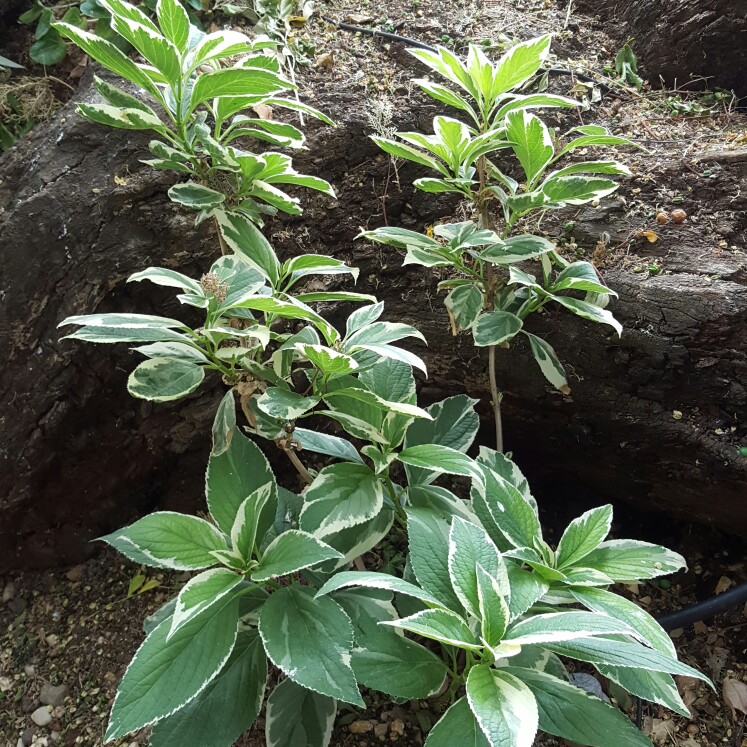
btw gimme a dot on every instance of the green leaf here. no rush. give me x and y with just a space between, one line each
533 101
237 82
251 521
311 641
439 625
548 361
127 119
507 510
169 278
341 496
655 687
371 580
617 653
581 276
631 560
519 64
383 659
174 22
493 610
440 459
324 443
508 470
449 66
444 95
196 195
284 405
465 303
109 56
49 49
527 588
164 379
167 674
439 500
589 311
156 49
379 333
201 593
244 238
568 711
470 547
458 726
232 477
363 317
503 705
428 540
517 249
292 551
166 539
577 190
224 424
531 142
565 626
226 708
607 603
594 139
583 535
297 717
408 153
495 328
592 167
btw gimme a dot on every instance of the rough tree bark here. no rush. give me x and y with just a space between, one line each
680 38
78 456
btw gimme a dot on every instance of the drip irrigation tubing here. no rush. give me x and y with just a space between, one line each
702 610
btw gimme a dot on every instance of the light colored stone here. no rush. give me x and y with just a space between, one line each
8 592
360 727
398 727
53 695
29 670
41 716
75 573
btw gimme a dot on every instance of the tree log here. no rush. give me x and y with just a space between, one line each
79 456
677 39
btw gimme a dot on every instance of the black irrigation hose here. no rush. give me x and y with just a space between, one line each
707 608
692 614
375 32
422 45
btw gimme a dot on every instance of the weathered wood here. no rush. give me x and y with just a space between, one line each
678 39
78 456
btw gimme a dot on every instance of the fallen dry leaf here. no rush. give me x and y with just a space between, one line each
724 584
735 696
326 60
263 111
662 730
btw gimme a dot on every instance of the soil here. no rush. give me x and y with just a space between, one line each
77 627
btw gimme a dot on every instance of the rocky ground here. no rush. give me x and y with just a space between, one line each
66 635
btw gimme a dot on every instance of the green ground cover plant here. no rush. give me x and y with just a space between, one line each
483 611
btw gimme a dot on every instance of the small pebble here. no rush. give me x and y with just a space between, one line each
398 727
360 727
28 670
53 695
75 573
8 592
41 717
380 731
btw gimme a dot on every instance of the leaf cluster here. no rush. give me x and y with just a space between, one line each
482 609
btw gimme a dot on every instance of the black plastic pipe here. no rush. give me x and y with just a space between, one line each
707 608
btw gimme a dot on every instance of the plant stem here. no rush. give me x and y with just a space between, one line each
298 464
483 221
496 398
